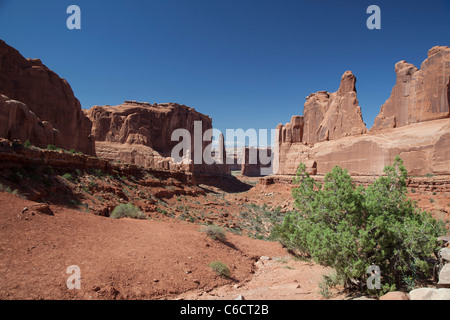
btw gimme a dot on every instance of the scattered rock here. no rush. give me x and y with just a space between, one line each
42 208
444 254
240 298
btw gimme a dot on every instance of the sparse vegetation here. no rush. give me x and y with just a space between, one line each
328 282
220 268
127 211
52 147
68 177
215 232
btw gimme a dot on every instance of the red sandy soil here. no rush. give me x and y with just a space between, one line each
118 259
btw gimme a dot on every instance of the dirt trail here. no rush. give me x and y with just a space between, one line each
277 278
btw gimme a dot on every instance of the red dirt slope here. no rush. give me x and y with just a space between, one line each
119 259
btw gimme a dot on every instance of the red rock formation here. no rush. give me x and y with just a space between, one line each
47 95
418 95
141 133
18 122
292 131
330 116
256 162
424 147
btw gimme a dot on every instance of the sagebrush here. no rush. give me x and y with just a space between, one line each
127 211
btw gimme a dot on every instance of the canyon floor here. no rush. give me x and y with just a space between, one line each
166 256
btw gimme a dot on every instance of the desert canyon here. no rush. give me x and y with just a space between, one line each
56 202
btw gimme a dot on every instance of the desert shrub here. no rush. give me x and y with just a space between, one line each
329 281
127 211
98 173
67 176
351 228
220 268
52 147
215 232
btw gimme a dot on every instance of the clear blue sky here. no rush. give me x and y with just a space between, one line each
245 63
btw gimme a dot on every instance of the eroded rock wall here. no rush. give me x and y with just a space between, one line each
48 96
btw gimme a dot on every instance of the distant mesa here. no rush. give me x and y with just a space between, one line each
140 133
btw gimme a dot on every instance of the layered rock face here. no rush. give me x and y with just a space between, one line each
327 116
334 134
418 95
330 116
18 122
424 147
141 133
48 96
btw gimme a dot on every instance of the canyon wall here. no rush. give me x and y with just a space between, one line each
17 121
418 95
414 123
48 96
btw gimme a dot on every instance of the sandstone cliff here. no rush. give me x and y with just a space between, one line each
418 95
48 96
330 116
18 122
140 133
424 147
331 132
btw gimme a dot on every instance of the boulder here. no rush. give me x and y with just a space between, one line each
395 295
42 208
444 255
430 294
48 96
444 276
